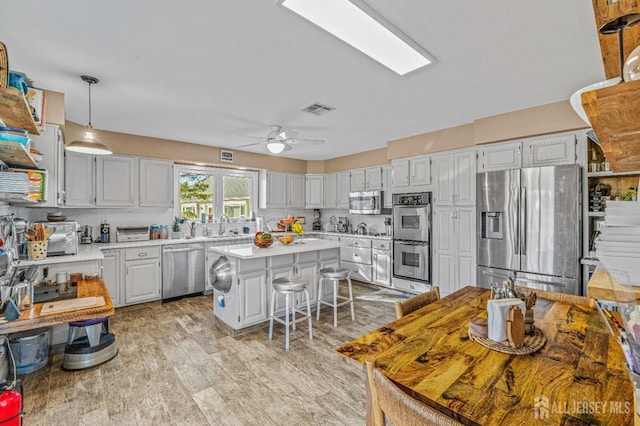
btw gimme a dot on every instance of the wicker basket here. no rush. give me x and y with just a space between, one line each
263 243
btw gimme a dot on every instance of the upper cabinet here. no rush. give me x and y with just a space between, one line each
51 145
387 176
358 179
455 176
369 179
281 190
551 150
330 198
296 190
315 191
78 179
343 187
501 156
415 171
116 181
156 183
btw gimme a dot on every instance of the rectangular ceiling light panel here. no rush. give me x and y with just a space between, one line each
361 27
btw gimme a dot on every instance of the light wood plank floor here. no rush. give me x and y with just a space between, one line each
175 367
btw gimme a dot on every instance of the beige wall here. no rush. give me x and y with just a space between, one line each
183 152
551 118
540 120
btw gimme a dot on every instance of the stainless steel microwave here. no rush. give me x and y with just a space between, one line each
64 239
369 202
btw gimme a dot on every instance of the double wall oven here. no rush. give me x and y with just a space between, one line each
412 236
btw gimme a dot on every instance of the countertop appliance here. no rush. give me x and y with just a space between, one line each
369 202
132 233
183 270
86 234
343 224
64 239
412 236
529 223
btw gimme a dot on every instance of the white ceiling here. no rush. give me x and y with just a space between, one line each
205 71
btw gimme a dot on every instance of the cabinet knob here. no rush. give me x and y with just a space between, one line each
375 256
412 287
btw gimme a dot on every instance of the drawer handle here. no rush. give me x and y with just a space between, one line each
142 254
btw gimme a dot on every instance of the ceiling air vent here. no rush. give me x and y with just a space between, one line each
317 108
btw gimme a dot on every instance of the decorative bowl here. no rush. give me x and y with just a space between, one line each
285 240
263 243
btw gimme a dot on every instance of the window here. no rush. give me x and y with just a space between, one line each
208 193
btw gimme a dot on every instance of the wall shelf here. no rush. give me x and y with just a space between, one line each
15 112
611 174
16 154
596 214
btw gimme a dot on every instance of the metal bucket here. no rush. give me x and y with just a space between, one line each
30 349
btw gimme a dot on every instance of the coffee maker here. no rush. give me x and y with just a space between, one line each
86 233
343 224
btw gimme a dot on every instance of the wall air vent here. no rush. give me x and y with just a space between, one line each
226 156
317 108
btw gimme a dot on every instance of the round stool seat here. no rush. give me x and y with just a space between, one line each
287 284
335 273
85 323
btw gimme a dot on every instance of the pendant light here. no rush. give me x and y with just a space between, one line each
88 144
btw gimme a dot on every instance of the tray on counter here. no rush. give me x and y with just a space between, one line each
532 343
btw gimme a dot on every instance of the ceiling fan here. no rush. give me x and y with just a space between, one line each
279 140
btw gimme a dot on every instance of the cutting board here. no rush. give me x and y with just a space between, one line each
71 305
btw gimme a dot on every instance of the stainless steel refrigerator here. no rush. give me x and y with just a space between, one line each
529 228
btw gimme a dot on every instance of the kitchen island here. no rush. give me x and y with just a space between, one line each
242 287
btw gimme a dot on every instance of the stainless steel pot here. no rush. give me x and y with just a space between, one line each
221 274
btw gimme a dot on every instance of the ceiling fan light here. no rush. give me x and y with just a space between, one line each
275 147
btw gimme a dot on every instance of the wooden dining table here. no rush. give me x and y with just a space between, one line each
578 377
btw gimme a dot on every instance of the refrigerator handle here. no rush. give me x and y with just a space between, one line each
523 221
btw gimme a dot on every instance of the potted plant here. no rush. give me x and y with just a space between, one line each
175 230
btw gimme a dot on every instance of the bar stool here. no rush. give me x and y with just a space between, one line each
289 287
335 275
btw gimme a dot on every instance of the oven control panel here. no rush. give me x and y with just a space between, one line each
417 199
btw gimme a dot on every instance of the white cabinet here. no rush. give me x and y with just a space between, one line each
358 179
275 273
400 173
116 181
502 156
156 183
415 171
281 190
455 176
78 179
373 178
387 177
273 190
253 294
143 278
382 265
549 150
51 146
343 187
369 179
357 257
308 271
296 189
330 185
315 191
454 247
112 275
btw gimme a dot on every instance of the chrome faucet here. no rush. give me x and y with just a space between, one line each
223 219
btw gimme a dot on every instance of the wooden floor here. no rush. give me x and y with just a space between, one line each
175 367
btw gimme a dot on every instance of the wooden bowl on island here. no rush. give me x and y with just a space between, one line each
263 242
287 239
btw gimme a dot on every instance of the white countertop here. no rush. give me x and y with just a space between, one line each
250 251
150 243
345 234
86 252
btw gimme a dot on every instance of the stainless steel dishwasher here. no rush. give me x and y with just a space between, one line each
183 270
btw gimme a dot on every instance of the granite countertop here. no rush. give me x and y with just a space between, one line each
250 251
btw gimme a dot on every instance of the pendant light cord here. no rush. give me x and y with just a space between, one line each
90 103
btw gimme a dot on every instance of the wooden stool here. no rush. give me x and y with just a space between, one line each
288 287
335 275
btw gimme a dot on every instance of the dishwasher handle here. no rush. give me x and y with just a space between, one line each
179 250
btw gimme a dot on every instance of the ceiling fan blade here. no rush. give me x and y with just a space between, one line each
287 134
252 137
251 144
308 141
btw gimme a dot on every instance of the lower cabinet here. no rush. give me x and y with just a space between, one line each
310 273
274 273
132 275
382 267
454 248
253 294
112 275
